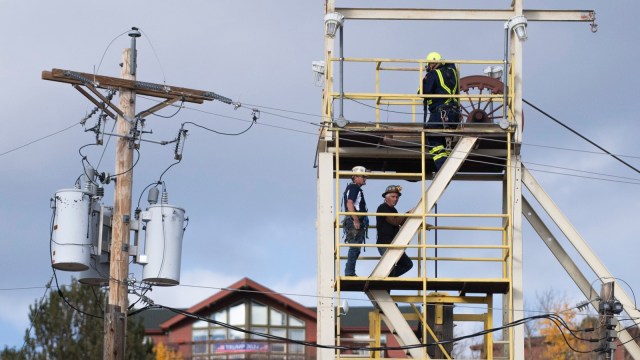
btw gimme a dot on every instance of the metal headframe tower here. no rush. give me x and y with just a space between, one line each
485 147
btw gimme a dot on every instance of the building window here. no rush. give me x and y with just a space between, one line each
200 337
294 321
237 314
279 346
296 334
218 334
277 318
214 341
259 313
220 316
261 330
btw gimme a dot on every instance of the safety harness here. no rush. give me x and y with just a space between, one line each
347 222
449 105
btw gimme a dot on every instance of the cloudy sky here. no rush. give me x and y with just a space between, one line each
251 198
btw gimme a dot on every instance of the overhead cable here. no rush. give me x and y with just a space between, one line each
411 143
480 138
39 309
41 138
581 136
523 143
555 319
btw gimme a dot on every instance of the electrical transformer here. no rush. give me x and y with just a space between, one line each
164 229
98 272
72 233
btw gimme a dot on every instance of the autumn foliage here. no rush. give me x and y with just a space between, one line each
162 352
560 343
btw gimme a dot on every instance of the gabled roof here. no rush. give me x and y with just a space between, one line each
244 284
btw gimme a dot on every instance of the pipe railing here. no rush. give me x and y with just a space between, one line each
380 98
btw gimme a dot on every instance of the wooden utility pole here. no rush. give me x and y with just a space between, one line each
115 323
115 316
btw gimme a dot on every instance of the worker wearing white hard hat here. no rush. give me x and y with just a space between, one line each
355 226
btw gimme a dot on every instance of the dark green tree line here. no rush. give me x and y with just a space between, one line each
61 332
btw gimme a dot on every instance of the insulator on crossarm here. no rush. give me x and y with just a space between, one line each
89 187
99 129
182 135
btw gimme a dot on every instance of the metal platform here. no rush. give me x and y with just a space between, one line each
461 285
396 147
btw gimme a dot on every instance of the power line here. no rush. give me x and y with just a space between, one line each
400 112
40 139
581 136
555 319
255 118
172 115
23 288
491 163
153 49
107 48
370 143
38 311
325 117
637 182
577 150
633 180
236 118
470 306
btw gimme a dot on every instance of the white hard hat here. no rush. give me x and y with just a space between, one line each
359 169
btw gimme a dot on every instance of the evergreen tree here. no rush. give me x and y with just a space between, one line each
74 329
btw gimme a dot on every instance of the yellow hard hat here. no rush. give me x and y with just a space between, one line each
433 57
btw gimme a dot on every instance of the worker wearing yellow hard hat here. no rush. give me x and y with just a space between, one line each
441 79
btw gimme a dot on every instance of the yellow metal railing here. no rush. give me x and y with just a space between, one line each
504 247
409 98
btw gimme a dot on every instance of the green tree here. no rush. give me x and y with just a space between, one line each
11 354
61 332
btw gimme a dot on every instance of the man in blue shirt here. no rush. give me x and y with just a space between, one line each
354 226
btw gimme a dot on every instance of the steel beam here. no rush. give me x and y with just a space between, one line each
512 192
396 322
470 15
581 247
433 193
558 251
325 245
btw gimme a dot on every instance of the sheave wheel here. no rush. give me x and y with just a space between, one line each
476 109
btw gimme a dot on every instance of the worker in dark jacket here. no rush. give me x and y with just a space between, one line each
441 79
388 227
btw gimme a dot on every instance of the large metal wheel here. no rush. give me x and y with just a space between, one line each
477 109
